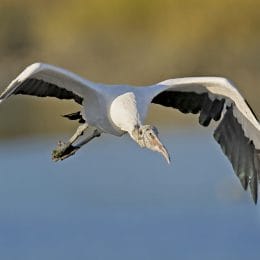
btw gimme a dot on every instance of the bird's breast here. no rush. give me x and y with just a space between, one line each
124 113
96 112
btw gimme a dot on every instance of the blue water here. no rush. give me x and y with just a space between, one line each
113 200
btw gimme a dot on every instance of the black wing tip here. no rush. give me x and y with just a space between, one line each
255 199
254 190
240 151
254 195
244 182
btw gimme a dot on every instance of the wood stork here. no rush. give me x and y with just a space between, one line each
120 109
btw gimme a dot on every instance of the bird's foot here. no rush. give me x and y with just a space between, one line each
63 151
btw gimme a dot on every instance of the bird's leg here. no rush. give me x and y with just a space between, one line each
63 150
95 133
67 149
80 131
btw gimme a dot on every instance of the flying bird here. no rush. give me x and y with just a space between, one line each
121 109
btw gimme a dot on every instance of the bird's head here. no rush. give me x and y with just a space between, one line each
147 136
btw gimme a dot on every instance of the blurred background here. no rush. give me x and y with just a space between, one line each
84 209
135 42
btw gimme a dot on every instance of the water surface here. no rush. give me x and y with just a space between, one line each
114 200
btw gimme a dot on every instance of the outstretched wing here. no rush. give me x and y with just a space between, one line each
238 132
44 80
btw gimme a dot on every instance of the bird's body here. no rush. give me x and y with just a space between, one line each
120 109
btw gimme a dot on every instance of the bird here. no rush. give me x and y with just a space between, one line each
122 109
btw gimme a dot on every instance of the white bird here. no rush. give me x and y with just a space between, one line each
121 109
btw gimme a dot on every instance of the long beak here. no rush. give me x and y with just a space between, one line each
164 152
158 147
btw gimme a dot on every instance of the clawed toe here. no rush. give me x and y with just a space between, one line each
63 151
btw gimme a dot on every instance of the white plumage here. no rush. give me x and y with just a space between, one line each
120 109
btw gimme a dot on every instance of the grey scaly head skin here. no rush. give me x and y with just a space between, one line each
147 137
